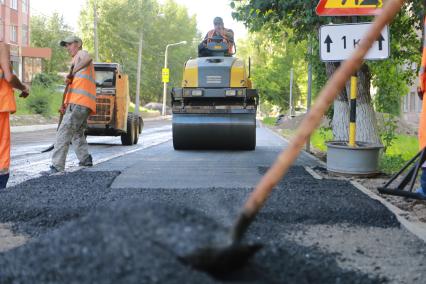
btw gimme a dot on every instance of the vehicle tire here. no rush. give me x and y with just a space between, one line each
128 138
136 129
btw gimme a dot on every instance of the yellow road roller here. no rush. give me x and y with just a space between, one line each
216 106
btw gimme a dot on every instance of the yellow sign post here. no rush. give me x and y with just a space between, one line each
166 75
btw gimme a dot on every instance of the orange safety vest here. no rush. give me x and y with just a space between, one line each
422 77
210 35
82 90
7 97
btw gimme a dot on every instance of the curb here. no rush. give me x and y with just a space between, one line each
39 127
31 128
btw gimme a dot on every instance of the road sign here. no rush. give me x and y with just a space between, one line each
337 42
166 75
349 7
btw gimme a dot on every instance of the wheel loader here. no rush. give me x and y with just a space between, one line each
216 106
112 116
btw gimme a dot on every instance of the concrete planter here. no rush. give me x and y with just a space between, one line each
362 160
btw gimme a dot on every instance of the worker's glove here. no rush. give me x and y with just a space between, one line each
420 93
25 93
62 109
69 79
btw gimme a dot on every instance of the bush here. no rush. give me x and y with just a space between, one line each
46 80
39 100
391 164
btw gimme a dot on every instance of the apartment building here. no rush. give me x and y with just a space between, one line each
15 30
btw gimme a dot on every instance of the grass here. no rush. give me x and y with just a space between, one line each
403 148
269 121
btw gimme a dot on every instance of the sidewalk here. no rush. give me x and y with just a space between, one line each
39 127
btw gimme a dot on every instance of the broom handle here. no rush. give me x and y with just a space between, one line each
327 95
61 116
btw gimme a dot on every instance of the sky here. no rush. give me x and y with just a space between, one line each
205 11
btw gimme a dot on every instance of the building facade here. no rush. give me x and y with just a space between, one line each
15 30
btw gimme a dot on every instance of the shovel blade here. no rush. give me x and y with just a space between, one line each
51 147
221 260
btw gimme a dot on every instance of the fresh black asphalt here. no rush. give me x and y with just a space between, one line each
82 229
84 232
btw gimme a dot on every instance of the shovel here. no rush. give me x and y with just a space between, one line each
61 116
234 255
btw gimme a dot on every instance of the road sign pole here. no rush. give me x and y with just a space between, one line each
352 121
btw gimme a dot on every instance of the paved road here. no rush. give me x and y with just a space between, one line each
127 219
28 161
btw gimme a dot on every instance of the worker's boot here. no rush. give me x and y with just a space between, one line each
3 180
88 162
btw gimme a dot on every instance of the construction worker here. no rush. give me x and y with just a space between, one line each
8 81
422 125
219 30
79 103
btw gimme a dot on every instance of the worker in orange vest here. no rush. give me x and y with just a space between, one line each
422 125
8 81
219 30
79 103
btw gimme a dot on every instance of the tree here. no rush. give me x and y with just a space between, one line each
299 15
274 58
48 32
120 25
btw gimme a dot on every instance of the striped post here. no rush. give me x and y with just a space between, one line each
352 121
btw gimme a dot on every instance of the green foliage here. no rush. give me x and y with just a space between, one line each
391 164
46 80
273 16
387 131
39 100
269 121
48 32
272 61
120 25
320 136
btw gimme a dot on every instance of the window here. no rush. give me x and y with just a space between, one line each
14 4
24 35
25 6
13 33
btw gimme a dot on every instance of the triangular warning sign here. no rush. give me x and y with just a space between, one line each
349 7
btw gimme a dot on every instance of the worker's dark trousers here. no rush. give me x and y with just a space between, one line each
423 179
3 180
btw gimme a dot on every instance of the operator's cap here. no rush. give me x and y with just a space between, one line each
218 20
71 39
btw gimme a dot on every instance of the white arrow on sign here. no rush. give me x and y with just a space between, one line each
337 42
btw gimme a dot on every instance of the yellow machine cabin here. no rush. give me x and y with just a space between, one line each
112 116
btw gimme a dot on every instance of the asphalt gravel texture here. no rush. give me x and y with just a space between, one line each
82 231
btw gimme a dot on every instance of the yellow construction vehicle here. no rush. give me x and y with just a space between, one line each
112 116
216 106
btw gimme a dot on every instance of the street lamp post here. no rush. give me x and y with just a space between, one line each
163 111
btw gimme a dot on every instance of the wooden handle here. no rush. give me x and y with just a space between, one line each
61 116
327 95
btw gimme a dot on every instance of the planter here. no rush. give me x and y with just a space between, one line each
362 160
